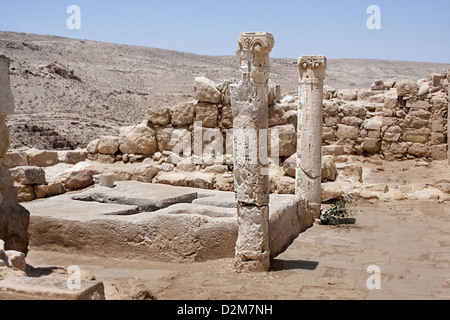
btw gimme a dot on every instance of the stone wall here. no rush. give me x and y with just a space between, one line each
399 120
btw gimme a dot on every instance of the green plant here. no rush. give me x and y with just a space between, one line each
338 211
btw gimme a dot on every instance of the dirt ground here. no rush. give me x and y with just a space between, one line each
407 241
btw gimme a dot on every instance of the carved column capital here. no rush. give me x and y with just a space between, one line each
255 47
312 67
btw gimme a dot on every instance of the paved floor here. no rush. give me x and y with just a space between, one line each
407 241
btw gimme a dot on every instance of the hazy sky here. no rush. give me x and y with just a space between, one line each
410 30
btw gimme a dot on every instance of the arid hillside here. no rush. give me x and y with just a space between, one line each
69 91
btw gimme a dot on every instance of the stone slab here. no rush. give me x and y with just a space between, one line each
148 197
49 288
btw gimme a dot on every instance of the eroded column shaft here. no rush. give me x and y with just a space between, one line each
310 122
249 100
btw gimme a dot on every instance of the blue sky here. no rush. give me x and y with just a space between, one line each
410 30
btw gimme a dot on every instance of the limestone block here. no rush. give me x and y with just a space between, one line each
183 114
227 117
333 150
290 165
353 110
159 115
201 180
330 108
437 138
108 145
42 158
328 135
352 121
6 96
147 172
372 145
419 150
439 152
208 114
224 89
78 177
206 91
350 171
328 92
347 132
437 125
14 159
72 156
29 175
16 259
416 135
92 146
329 170
139 139
171 178
276 115
406 88
374 123
347 95
418 104
415 122
287 139
14 221
424 89
400 148
174 140
330 191
283 185
25 193
187 165
50 190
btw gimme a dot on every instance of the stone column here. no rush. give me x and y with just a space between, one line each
310 122
14 219
249 102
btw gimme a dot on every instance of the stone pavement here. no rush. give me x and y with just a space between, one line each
408 240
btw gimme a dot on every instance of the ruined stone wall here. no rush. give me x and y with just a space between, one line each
397 120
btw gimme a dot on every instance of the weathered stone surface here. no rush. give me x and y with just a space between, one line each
287 140
138 139
206 91
347 95
439 152
372 145
78 177
406 87
159 115
419 150
73 156
49 288
183 114
329 170
50 190
42 158
207 114
353 110
174 140
330 191
350 171
14 221
14 159
171 178
108 145
416 135
347 132
92 146
201 180
25 193
16 259
333 150
28 175
4 136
